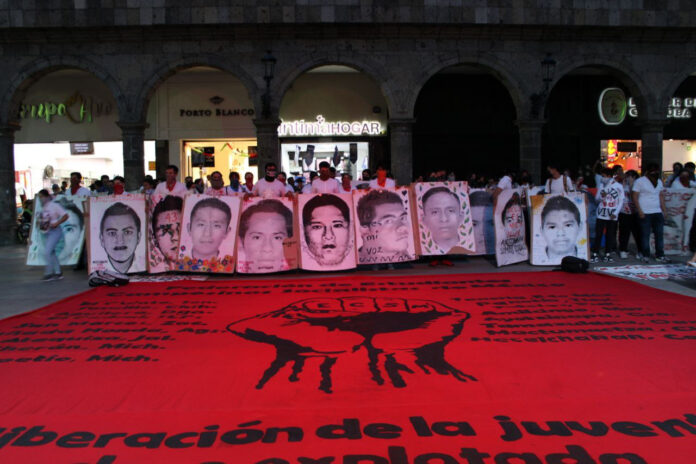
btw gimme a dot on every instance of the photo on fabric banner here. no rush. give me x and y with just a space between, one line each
208 234
327 241
70 246
117 231
267 239
676 202
164 232
481 201
689 223
383 226
510 245
444 219
559 228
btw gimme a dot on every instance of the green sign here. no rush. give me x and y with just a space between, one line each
77 108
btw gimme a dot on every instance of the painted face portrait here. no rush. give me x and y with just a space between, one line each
327 235
208 228
167 233
119 237
263 241
560 230
72 233
442 216
513 223
389 229
484 230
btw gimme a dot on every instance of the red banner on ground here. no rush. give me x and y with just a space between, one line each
518 368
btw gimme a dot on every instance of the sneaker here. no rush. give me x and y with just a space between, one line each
623 254
644 259
663 260
595 258
58 276
47 278
639 256
609 257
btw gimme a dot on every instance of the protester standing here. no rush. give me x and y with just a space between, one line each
650 204
52 216
610 196
171 186
629 223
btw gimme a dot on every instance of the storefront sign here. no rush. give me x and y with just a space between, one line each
81 148
77 108
329 128
613 107
206 113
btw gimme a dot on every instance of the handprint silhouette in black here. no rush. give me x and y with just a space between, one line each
394 333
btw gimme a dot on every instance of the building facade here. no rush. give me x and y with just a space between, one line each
445 80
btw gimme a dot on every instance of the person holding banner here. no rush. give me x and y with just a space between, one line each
324 184
558 183
269 186
217 185
610 196
171 186
382 181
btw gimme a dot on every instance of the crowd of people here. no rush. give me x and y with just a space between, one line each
627 204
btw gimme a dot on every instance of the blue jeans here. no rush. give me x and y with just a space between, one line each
51 239
652 222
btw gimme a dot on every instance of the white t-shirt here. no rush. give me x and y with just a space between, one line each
505 183
307 188
649 195
216 192
611 202
324 186
179 190
230 191
50 214
677 185
81 192
289 189
388 184
556 185
266 189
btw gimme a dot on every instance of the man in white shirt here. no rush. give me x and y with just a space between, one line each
171 186
382 181
76 190
324 184
558 183
650 204
505 183
217 185
269 186
346 183
235 185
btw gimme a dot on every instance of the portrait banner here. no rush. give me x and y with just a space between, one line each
510 240
383 226
267 236
163 232
559 228
444 218
116 233
70 246
689 220
327 236
676 202
208 234
481 201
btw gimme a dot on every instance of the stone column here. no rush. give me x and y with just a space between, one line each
651 136
8 207
401 146
267 144
530 146
133 135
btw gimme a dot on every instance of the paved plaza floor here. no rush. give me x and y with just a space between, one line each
23 291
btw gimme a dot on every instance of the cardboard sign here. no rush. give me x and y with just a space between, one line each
383 226
70 246
267 237
481 201
327 236
510 239
117 233
559 228
208 234
164 232
444 221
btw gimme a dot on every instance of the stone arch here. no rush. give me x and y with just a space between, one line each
499 68
370 68
150 85
32 72
623 70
